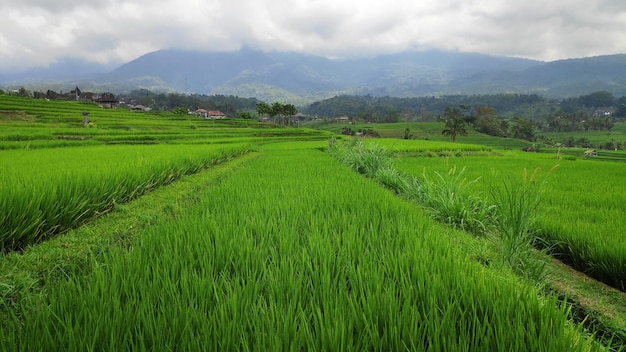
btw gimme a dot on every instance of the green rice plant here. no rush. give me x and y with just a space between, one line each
294 252
45 192
517 206
422 147
451 199
581 211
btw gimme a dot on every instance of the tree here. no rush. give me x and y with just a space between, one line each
597 99
245 115
454 122
263 109
180 110
621 107
487 122
484 112
454 127
283 112
22 92
289 110
391 115
523 129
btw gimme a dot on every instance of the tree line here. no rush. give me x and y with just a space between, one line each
571 114
228 104
281 113
391 109
527 106
456 119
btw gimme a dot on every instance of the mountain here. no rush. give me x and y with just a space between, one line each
301 78
305 77
580 76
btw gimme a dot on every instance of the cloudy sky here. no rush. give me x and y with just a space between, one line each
38 32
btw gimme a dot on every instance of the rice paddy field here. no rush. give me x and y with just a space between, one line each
162 232
428 131
618 133
582 216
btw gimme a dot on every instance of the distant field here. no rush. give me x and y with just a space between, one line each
43 124
432 131
618 132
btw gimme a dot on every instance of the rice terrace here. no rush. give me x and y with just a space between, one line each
157 231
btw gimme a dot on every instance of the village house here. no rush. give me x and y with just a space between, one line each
343 118
216 114
210 114
606 112
107 101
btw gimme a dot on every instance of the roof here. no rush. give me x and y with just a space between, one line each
107 98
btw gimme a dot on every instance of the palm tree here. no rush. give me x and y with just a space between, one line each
455 121
454 126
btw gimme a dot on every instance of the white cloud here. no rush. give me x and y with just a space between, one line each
37 32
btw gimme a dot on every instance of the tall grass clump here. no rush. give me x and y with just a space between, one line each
372 161
516 208
452 200
294 252
366 159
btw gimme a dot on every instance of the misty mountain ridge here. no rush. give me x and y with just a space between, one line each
302 78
